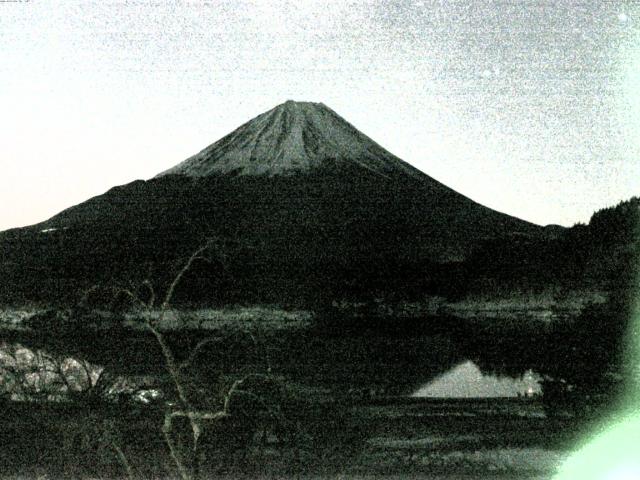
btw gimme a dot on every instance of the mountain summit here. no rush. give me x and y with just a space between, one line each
291 138
306 206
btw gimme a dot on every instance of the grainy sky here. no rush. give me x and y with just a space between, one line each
531 107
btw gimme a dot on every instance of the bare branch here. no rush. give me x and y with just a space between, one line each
135 298
84 299
197 255
123 459
235 388
171 364
264 350
175 371
152 300
196 350
86 368
198 415
108 428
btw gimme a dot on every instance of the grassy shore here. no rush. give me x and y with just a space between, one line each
496 438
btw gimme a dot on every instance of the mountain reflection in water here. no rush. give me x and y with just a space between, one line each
466 380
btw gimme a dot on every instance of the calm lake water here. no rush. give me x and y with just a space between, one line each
462 380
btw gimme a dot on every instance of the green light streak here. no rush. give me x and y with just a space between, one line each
612 455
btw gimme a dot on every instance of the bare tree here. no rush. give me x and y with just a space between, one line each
187 408
37 375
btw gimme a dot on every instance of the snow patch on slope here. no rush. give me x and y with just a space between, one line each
293 137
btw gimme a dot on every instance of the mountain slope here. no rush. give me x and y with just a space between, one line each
305 205
291 138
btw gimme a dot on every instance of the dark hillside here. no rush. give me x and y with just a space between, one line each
601 255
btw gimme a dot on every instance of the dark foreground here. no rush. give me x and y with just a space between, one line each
433 439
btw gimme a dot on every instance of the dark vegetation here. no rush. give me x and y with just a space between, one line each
112 440
585 359
303 241
603 255
289 240
406 439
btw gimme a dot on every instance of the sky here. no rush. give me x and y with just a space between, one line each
530 107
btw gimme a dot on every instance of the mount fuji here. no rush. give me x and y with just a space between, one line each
302 204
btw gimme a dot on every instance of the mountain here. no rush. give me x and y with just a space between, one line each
302 206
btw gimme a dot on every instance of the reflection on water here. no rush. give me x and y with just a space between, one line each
467 381
31 373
